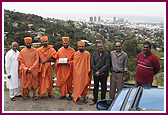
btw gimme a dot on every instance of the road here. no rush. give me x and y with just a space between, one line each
45 104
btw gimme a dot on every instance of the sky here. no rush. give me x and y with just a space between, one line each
84 10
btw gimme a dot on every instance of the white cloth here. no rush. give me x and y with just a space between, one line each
14 92
11 66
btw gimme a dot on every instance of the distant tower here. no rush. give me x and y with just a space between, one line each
121 20
99 19
94 18
91 19
114 20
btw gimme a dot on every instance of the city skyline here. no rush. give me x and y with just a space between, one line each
84 10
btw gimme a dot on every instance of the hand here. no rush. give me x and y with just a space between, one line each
43 61
97 73
124 78
68 63
102 73
9 76
28 71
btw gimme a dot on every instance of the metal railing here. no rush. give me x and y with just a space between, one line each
91 88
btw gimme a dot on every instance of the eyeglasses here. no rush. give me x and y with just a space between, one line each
117 46
99 46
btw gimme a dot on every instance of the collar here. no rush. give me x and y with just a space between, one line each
99 53
148 54
14 51
120 52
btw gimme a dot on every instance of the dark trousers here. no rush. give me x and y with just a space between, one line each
149 85
103 81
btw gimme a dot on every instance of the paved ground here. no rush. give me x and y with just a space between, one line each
45 104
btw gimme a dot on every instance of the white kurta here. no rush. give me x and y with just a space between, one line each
11 66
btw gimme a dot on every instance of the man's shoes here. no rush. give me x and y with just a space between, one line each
26 97
62 97
35 97
77 99
18 96
51 96
84 100
69 97
92 103
13 99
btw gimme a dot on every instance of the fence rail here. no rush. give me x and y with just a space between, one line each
91 88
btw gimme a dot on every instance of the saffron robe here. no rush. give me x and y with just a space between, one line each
45 70
82 73
64 71
28 60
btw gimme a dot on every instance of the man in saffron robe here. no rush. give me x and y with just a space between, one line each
82 72
64 70
47 55
28 69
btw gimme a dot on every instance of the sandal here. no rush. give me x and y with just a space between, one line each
51 96
62 97
70 97
77 99
92 103
26 97
13 99
35 97
84 100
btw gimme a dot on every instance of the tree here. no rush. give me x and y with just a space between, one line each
131 48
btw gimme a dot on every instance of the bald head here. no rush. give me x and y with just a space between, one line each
14 43
14 46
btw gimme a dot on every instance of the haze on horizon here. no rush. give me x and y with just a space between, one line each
84 10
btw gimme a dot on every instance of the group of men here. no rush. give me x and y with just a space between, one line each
31 68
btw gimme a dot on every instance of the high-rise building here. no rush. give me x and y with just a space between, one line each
91 19
121 20
94 18
114 20
99 19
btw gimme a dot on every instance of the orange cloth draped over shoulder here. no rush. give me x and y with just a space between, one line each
64 71
45 70
82 73
28 60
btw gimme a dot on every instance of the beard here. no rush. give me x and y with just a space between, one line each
65 47
81 50
28 46
45 45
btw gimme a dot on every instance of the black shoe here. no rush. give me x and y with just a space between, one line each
77 99
18 96
62 97
13 99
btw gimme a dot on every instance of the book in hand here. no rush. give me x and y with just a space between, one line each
63 60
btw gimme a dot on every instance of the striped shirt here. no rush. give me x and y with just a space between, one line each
146 66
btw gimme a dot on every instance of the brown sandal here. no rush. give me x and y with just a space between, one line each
51 96
62 97
35 97
26 97
92 103
69 97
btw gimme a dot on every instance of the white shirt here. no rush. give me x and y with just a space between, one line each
11 66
